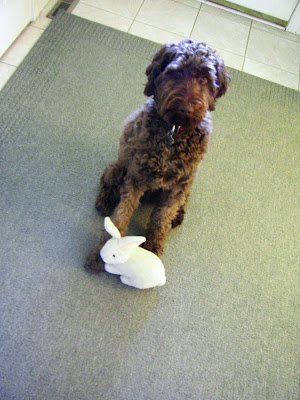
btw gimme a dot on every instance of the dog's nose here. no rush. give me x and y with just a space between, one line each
186 109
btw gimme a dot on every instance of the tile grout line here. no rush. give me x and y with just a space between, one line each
6 63
276 34
10 47
272 66
195 20
133 20
101 9
188 5
34 26
247 44
225 17
161 29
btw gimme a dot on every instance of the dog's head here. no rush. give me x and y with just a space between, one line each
186 79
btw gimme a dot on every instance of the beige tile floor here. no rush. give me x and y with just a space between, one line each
245 44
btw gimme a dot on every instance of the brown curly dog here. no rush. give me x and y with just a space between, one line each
163 142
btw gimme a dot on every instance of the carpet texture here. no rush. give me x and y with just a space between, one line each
226 324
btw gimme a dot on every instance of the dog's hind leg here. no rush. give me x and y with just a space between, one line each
110 183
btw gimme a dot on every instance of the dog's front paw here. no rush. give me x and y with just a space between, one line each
155 248
94 262
106 203
102 209
178 219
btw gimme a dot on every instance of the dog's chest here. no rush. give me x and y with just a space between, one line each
150 157
166 165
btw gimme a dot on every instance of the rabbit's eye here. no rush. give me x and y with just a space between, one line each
114 255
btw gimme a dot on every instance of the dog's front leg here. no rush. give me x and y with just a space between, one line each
130 197
161 219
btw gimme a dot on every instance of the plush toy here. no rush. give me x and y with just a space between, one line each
138 267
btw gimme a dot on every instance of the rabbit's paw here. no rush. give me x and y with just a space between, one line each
94 262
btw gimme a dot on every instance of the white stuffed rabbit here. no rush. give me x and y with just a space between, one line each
138 267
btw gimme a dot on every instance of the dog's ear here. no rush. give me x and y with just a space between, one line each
223 78
158 64
220 82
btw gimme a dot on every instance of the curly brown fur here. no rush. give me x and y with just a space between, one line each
184 82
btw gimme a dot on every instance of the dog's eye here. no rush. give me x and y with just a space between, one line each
178 74
114 255
175 74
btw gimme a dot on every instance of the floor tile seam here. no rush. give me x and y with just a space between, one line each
227 18
136 14
187 5
10 65
251 58
190 37
275 34
277 31
220 48
24 31
102 9
195 20
161 29
36 21
246 47
34 26
272 66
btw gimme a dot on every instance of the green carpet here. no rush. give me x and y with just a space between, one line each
226 324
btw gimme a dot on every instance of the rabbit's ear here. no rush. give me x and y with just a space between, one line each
131 241
111 228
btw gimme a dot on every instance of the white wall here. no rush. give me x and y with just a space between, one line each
15 15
